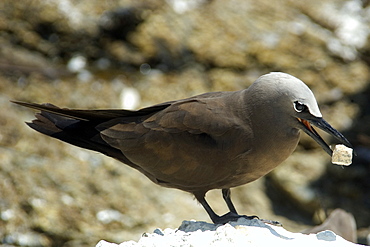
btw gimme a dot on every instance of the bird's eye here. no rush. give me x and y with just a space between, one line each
299 107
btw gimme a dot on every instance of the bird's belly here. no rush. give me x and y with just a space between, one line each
200 174
196 169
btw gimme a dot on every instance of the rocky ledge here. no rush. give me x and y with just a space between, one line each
243 232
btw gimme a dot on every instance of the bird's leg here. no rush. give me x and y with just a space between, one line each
216 219
226 195
202 200
233 214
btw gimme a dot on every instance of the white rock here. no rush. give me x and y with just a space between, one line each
108 215
130 98
76 63
103 243
7 214
251 233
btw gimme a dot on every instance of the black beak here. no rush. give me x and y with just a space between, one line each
325 126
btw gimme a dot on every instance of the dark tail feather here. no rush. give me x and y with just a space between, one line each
50 124
68 126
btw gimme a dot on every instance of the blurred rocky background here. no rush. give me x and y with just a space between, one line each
114 54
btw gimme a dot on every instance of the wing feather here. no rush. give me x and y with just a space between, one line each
163 144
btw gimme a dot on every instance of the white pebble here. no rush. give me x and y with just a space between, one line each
77 63
326 235
130 98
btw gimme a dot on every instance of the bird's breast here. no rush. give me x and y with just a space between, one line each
268 152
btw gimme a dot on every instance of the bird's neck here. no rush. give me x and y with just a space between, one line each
271 131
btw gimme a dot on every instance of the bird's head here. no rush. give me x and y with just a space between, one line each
295 100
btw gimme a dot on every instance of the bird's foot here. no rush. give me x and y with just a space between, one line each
226 218
230 216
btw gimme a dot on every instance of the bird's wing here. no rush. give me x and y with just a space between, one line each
78 127
188 140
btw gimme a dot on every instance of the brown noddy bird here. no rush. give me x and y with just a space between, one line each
216 140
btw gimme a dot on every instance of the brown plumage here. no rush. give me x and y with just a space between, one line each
211 141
